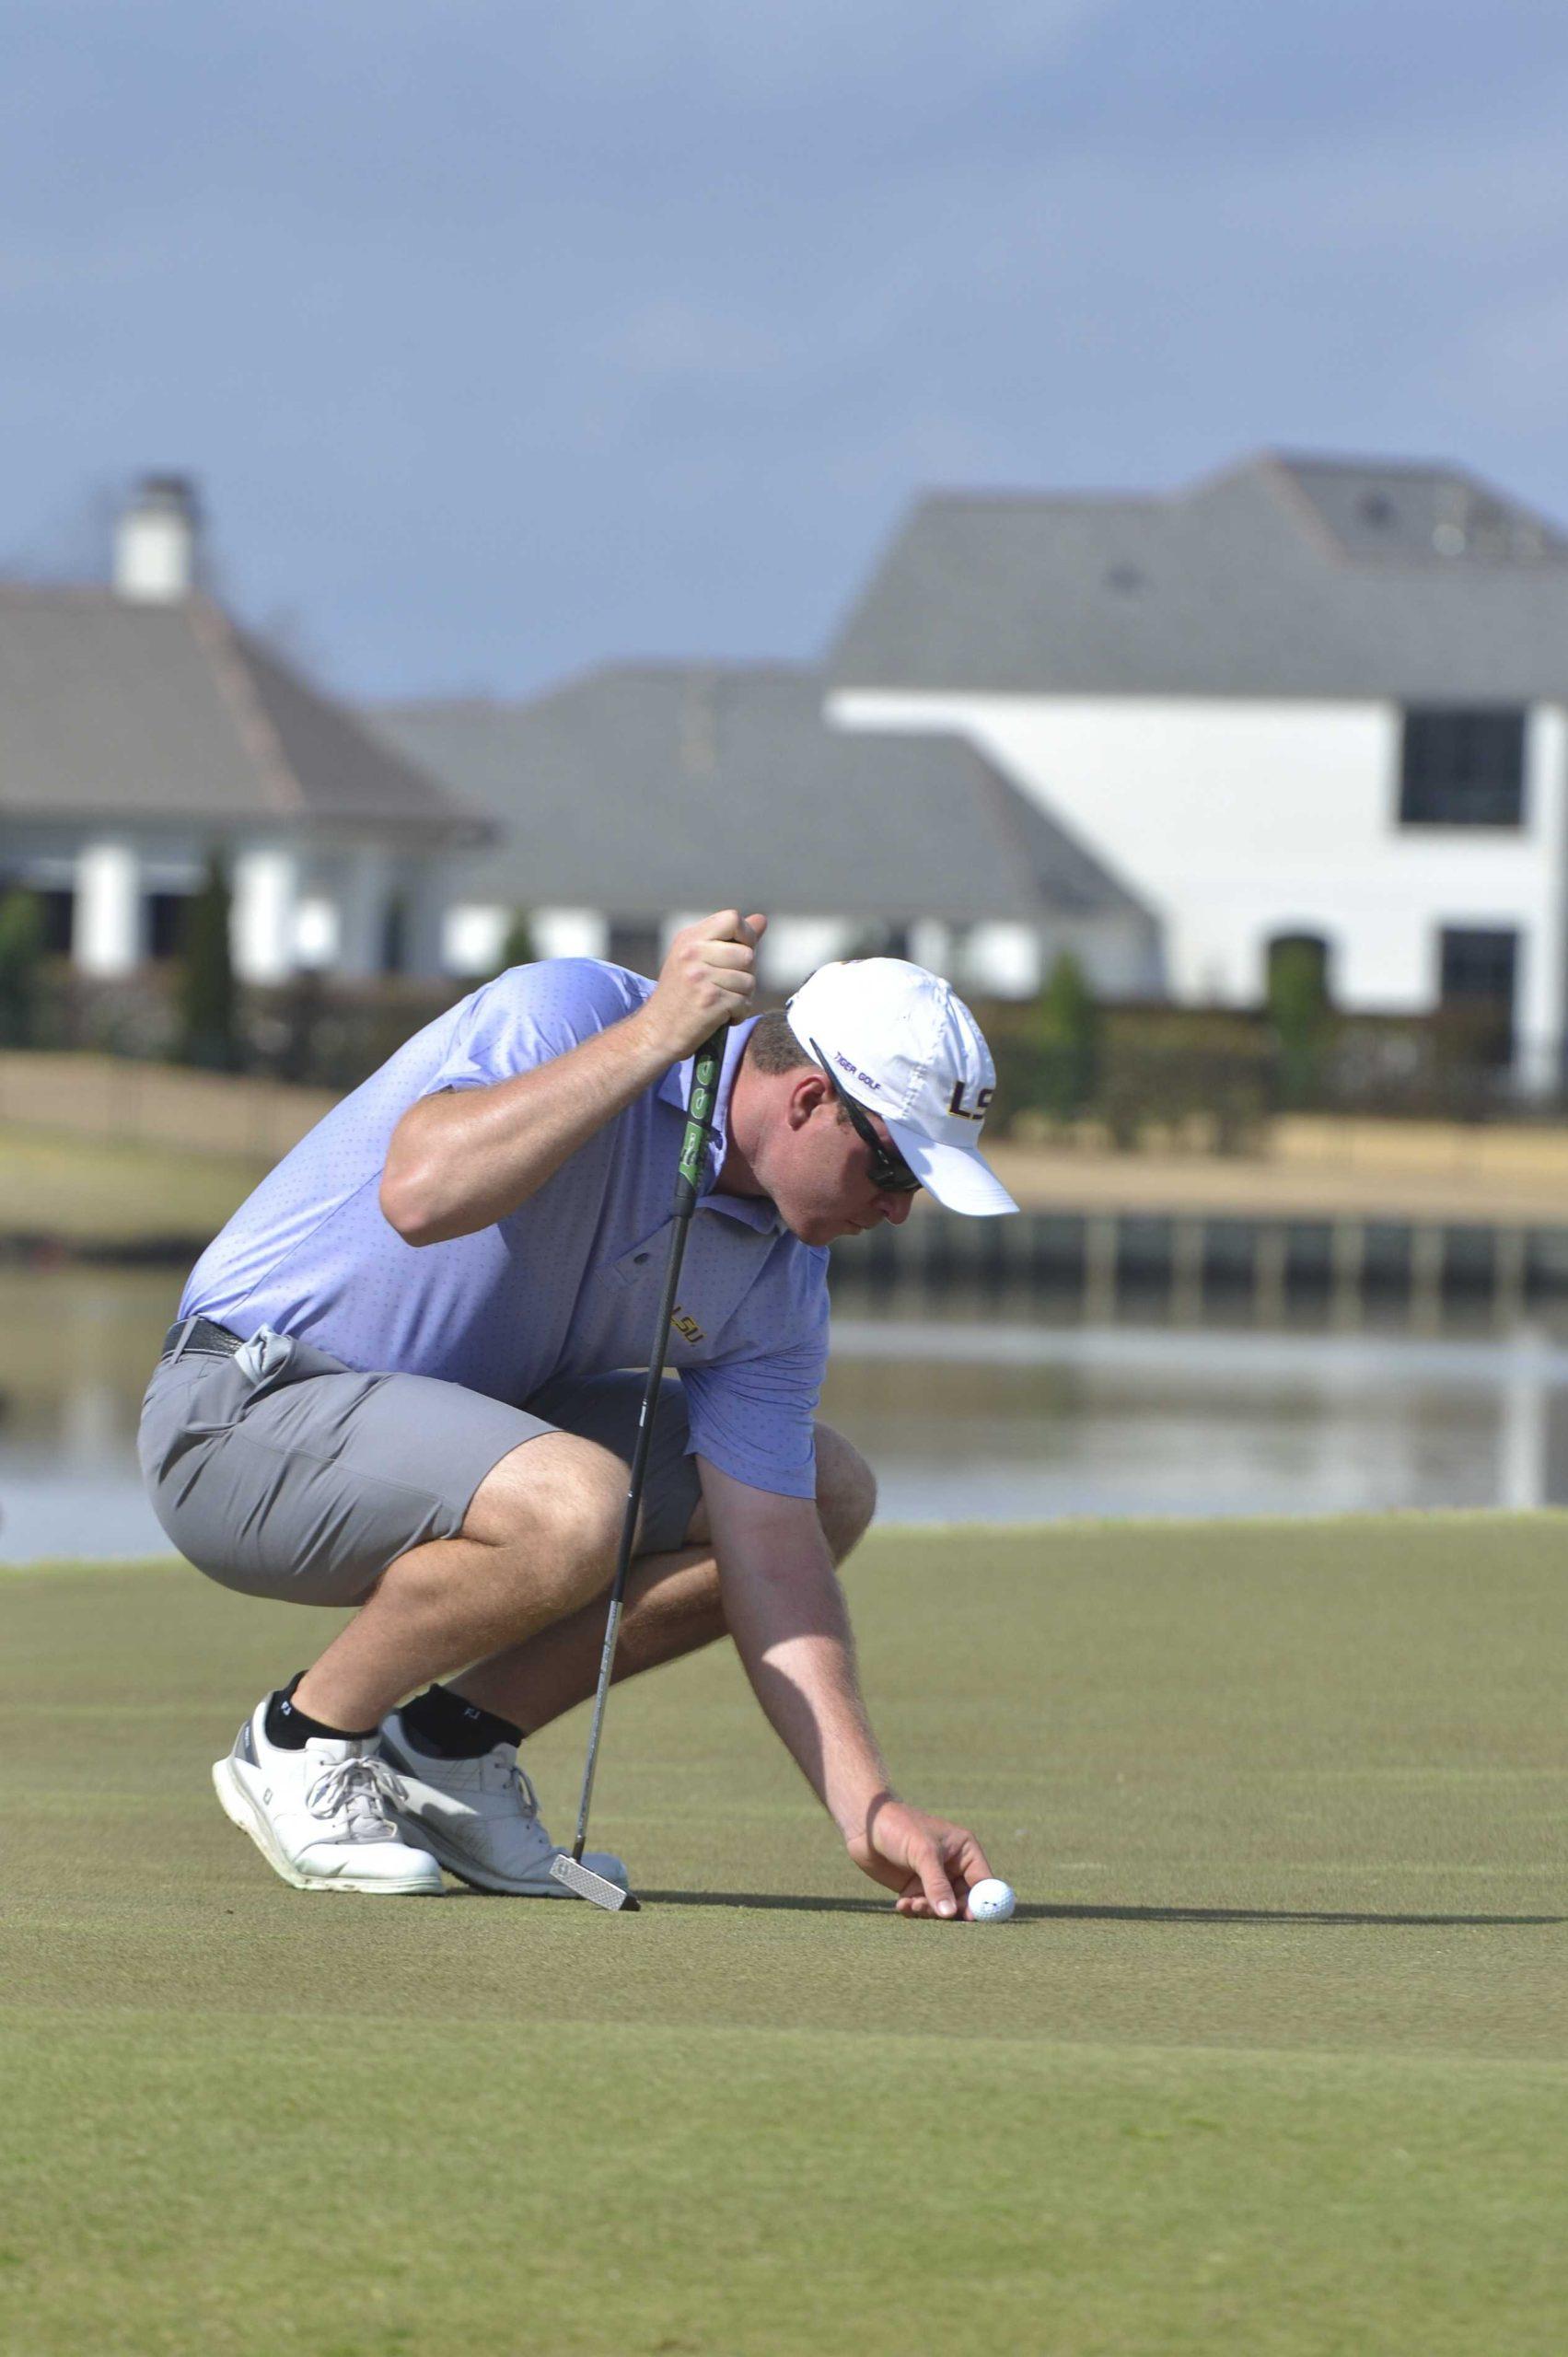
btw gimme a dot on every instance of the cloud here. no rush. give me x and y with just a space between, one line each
924 445
673 337
448 298
771 57
1514 357
63 268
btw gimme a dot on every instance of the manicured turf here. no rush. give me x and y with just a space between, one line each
1272 2063
116 1195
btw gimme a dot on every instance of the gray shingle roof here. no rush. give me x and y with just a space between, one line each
142 712
641 790
1282 576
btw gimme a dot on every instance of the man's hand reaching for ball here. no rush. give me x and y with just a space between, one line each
932 1866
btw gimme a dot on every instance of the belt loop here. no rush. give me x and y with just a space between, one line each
185 1333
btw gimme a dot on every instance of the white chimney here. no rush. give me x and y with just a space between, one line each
154 542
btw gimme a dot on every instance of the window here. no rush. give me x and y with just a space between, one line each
59 916
635 944
1476 976
1479 966
165 924
1462 769
394 934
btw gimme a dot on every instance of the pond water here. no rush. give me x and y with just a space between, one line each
966 1416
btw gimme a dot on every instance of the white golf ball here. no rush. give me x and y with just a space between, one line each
991 1902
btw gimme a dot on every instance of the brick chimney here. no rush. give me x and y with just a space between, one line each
154 542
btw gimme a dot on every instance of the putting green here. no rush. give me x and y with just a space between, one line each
1270 2061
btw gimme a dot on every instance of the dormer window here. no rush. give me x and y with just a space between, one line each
1462 767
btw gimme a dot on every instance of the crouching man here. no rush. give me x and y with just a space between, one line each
404 1378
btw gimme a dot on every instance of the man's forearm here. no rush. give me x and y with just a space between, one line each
461 1161
784 1608
791 1630
808 1689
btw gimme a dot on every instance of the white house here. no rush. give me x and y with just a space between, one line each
1306 697
628 798
141 730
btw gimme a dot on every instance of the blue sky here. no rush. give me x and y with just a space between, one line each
505 338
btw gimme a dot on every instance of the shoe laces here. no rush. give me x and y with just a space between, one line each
515 1778
362 1791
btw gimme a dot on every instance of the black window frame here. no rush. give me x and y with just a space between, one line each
58 903
164 919
1462 765
395 930
1492 951
1488 1011
636 943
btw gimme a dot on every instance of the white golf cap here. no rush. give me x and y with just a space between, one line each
903 1044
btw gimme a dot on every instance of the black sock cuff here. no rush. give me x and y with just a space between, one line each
290 1729
443 1723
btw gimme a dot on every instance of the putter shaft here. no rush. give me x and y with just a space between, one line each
699 1124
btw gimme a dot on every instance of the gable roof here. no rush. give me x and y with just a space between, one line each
1282 576
114 710
647 789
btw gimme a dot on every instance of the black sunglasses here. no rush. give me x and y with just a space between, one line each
891 1174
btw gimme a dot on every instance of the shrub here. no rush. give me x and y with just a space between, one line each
1299 1016
1067 1033
21 961
518 949
1202 1073
208 1000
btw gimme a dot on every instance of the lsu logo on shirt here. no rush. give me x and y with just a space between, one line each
686 1326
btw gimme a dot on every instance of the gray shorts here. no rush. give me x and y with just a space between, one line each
305 1485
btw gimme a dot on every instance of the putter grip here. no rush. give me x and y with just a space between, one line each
699 1121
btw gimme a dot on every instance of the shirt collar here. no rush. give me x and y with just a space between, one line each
674 1088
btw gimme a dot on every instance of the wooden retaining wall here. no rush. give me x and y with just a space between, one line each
1193 1259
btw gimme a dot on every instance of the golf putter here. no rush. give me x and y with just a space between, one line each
570 1869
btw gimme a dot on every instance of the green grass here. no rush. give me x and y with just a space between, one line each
81 1192
1271 2063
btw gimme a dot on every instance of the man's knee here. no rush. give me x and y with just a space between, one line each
555 1504
846 1492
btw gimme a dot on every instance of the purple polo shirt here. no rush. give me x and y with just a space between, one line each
567 1285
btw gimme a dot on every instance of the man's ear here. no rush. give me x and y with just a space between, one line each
807 1090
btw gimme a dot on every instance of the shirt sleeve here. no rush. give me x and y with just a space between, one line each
755 1417
528 1016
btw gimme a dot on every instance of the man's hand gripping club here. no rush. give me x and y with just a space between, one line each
709 977
463 1160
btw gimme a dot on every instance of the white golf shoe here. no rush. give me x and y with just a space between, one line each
321 1817
480 1819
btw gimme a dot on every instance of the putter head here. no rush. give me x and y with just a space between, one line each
595 1888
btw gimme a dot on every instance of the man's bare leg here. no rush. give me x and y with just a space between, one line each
538 1541
673 1607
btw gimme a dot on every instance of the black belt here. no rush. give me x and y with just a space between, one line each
199 1334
